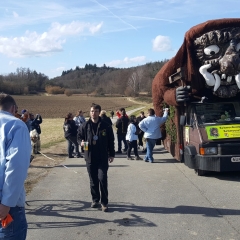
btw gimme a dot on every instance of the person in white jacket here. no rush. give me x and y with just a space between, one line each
151 128
132 137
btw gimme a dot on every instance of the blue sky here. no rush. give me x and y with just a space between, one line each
56 35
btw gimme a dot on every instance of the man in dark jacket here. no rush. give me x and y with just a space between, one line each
140 135
122 125
100 152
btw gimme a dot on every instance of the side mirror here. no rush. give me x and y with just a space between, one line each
182 120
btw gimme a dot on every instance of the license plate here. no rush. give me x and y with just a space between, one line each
235 159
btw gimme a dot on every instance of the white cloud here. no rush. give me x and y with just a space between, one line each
15 15
34 44
12 63
161 44
126 61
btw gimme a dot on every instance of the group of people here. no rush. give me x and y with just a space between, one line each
33 125
95 135
132 130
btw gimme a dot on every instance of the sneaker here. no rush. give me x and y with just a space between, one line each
129 158
138 158
104 208
95 205
70 156
119 152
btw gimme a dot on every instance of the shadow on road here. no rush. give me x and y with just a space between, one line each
69 209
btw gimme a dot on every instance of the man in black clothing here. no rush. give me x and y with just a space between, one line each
122 125
140 135
100 138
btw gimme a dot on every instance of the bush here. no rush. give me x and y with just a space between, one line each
68 92
54 90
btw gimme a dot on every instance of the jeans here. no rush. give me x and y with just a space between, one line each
72 140
150 145
17 229
122 137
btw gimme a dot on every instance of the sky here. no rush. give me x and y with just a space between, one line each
56 35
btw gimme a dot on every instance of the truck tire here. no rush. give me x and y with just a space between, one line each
200 172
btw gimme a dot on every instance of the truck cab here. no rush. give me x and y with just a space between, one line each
211 136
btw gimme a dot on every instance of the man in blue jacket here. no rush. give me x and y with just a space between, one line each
15 152
151 128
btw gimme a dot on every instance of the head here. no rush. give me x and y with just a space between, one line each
31 116
123 111
132 119
151 112
69 116
142 114
103 112
7 103
23 111
95 111
79 113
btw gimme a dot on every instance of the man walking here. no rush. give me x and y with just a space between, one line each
122 126
15 152
98 135
151 128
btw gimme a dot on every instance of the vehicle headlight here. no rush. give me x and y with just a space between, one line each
208 151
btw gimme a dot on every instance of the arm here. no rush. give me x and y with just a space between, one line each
143 126
40 119
163 119
18 152
118 123
110 140
132 129
80 134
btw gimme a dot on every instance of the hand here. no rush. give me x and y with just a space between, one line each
82 143
110 159
3 211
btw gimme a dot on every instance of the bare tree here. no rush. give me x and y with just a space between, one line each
135 80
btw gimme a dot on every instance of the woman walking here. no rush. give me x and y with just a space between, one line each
131 138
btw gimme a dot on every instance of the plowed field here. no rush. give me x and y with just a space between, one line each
58 106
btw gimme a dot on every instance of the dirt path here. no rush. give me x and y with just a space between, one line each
43 163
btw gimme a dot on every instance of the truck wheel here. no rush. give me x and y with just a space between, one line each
200 172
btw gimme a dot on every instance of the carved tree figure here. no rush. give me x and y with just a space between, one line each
210 60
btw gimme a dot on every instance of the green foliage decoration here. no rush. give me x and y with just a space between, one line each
170 125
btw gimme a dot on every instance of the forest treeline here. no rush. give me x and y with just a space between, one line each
88 80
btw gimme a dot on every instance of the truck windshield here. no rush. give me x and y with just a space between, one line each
217 112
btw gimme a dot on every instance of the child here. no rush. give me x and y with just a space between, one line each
131 138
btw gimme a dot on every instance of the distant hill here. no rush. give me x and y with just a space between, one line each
108 80
91 79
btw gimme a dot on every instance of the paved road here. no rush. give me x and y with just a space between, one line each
163 200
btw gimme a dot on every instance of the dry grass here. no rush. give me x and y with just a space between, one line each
52 132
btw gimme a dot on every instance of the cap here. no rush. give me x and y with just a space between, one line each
23 111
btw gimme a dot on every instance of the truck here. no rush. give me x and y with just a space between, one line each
211 136
201 86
